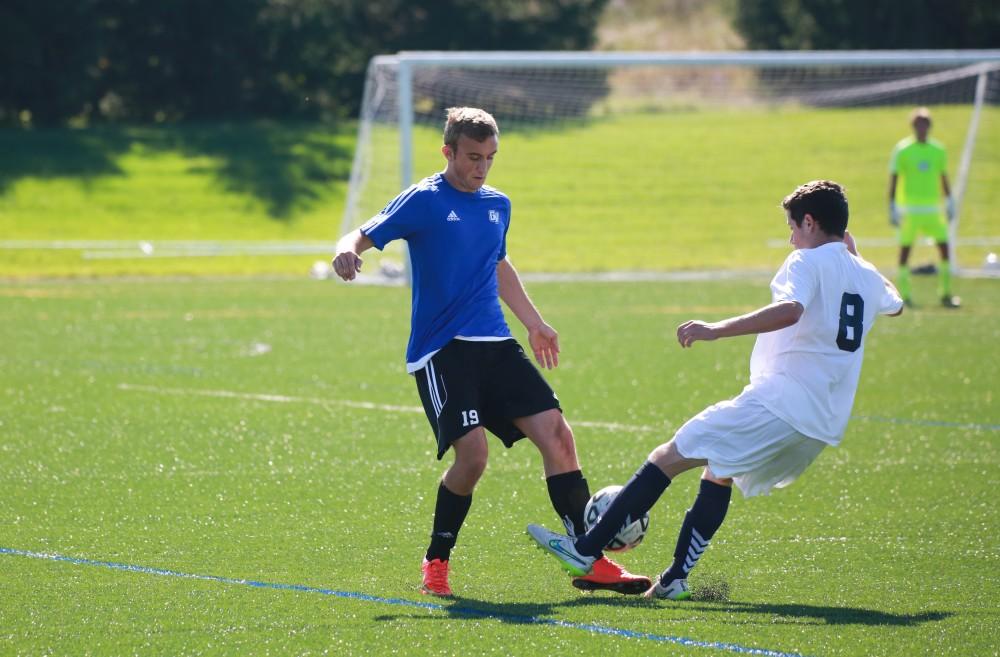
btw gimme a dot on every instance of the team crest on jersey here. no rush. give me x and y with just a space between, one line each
924 165
494 216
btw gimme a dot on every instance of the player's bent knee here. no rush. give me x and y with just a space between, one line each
470 467
550 432
560 445
564 437
471 454
664 455
669 459
708 475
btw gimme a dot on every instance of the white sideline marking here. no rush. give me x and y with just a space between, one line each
892 241
682 276
371 406
610 426
281 399
152 246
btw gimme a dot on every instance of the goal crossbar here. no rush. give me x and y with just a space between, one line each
759 58
407 65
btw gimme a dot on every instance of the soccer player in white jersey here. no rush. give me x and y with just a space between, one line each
470 373
804 373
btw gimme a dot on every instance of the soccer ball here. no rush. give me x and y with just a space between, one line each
630 535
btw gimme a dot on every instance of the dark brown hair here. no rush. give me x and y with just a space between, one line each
824 200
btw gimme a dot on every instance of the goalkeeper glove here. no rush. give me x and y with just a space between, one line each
950 208
894 214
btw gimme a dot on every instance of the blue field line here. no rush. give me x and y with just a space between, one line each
400 602
927 423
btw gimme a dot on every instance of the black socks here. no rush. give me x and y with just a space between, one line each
701 522
449 514
569 494
638 497
568 491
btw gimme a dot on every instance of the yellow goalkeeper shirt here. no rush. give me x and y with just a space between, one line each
919 166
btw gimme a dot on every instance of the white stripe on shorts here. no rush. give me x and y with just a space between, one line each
430 389
434 390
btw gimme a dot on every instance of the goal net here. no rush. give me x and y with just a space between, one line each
658 161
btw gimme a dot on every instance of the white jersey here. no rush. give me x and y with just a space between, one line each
807 373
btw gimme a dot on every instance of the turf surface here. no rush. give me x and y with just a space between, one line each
133 430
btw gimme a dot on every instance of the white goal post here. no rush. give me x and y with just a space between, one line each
408 90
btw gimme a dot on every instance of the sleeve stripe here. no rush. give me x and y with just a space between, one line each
399 201
389 210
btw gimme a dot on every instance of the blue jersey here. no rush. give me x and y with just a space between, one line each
456 240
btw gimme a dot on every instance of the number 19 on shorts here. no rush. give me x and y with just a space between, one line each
470 417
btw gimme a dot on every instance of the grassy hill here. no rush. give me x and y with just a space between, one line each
683 189
240 181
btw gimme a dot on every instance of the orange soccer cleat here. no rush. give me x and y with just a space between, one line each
610 576
435 577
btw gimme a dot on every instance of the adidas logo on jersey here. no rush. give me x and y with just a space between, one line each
453 217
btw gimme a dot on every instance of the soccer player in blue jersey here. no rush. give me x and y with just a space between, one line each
470 373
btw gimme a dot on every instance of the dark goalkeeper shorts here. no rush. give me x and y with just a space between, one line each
470 384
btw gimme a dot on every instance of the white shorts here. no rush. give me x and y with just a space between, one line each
744 441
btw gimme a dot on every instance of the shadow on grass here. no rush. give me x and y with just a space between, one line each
286 166
57 153
829 615
520 613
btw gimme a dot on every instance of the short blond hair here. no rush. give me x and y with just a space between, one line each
920 113
472 122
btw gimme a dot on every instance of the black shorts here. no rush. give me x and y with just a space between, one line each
469 384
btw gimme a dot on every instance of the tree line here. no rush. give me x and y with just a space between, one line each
170 60
167 60
868 24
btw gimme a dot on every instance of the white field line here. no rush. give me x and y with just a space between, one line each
371 406
893 242
646 276
179 245
138 249
105 248
209 252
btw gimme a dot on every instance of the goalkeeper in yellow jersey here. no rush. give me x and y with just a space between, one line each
917 177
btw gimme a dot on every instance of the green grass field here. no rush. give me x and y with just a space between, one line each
210 427
676 190
194 462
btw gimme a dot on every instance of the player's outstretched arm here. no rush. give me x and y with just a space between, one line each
763 320
852 246
949 200
347 263
894 213
544 339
